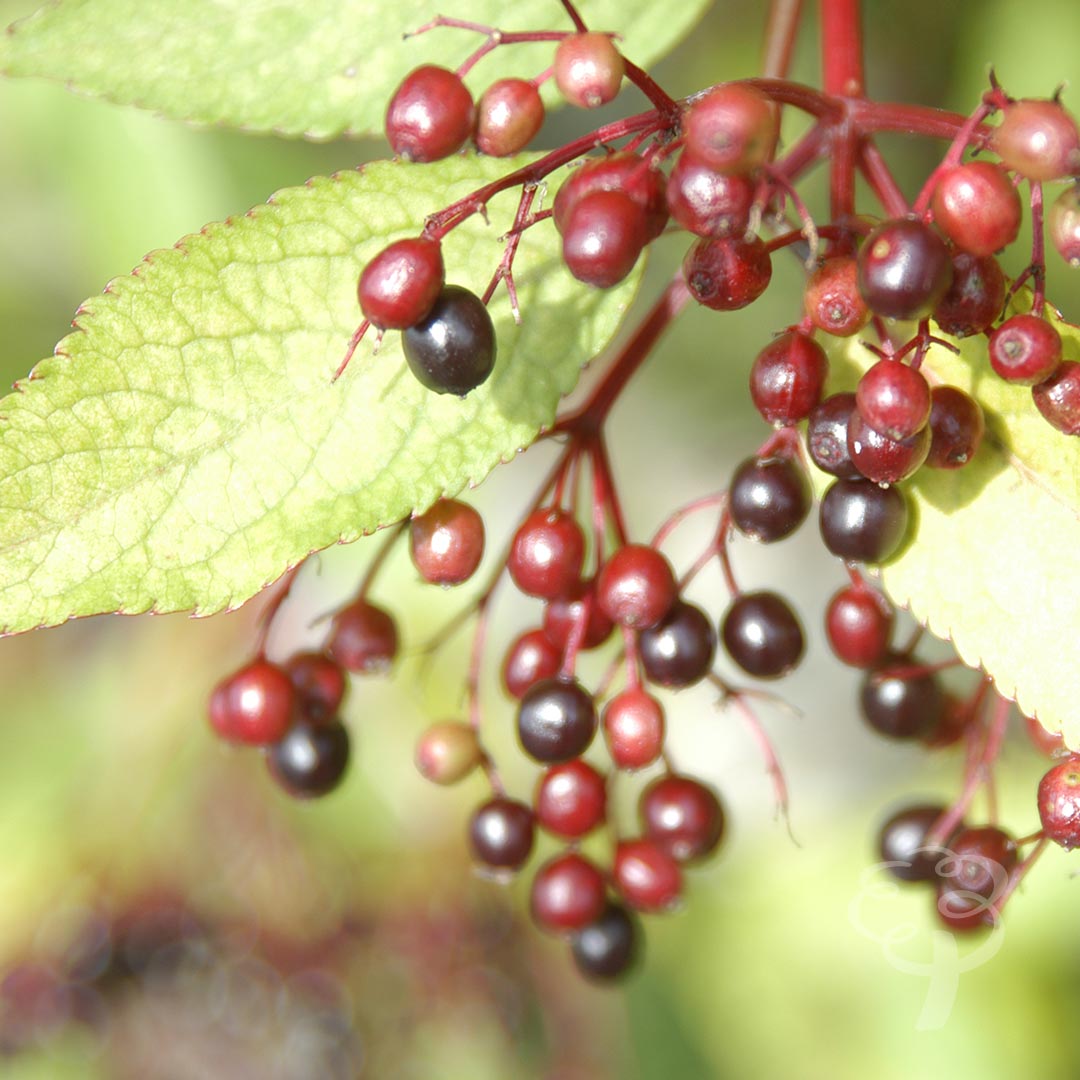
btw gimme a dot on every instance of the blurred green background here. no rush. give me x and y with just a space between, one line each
203 925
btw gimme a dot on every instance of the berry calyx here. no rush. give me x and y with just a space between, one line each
956 428
509 113
762 634
727 273
682 816
588 69
1059 803
603 237
732 128
547 554
648 878
1058 398
769 498
787 378
633 723
556 720
430 116
858 624
363 639
452 349
1025 350
636 586
501 833
977 208
446 542
1038 139
571 799
529 659
255 705
904 269
568 893
310 759
447 752
401 284
678 651
832 300
862 522
893 399
606 948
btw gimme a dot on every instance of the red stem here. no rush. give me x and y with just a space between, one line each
841 48
780 33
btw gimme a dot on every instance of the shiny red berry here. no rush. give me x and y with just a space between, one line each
255 705
447 542
430 116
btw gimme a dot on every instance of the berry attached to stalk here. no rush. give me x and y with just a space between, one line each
1059 803
401 284
588 69
447 542
452 349
430 116
311 758
762 634
732 129
255 705
904 269
727 273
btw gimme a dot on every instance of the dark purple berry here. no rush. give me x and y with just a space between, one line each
501 833
769 498
899 701
363 639
827 436
902 842
606 948
762 634
556 720
1058 398
679 650
452 349
310 759
904 269
975 297
862 522
956 428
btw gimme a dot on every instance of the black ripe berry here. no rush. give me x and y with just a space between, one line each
904 269
678 650
862 522
430 115
762 634
827 436
501 833
900 701
556 720
452 349
311 758
902 843
769 498
606 948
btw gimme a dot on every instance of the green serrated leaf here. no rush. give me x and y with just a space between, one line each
991 564
185 445
320 68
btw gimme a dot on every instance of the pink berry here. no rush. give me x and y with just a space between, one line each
588 69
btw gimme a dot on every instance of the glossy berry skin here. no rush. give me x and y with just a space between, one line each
452 349
430 116
547 554
732 128
568 893
862 522
980 861
401 284
902 841
827 436
1025 350
363 639
606 948
562 616
977 208
900 705
603 237
556 720
319 683
623 172
509 113
975 297
708 203
255 705
832 300
1059 803
529 659
956 428
501 833
447 752
893 399
762 634
588 69
682 816
1058 398
647 877
310 759
636 586
571 799
885 460
633 723
1063 225
679 650
769 498
904 269
727 273
446 542
787 378
858 625
1038 139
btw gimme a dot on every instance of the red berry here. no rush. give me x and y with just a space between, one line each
430 115
1058 398
636 586
956 428
979 861
400 285
787 378
975 297
529 659
1025 350
706 202
727 273
571 799
447 542
648 878
893 399
858 624
588 69
363 639
624 172
447 752
255 705
904 269
682 816
509 113
634 729
977 208
832 300
1059 802
1038 139
885 460
1063 225
562 616
547 554
319 684
568 893
603 237
732 128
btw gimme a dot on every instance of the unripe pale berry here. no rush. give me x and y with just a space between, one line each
588 69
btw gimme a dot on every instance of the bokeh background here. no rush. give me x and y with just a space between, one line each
166 912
